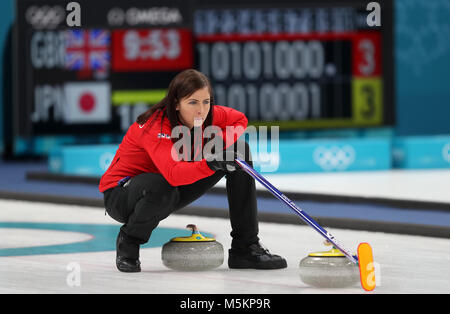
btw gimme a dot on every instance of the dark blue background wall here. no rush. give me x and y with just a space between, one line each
422 58
6 18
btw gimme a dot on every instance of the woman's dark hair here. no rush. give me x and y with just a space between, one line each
183 85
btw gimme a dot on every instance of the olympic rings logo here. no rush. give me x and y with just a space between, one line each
45 16
334 158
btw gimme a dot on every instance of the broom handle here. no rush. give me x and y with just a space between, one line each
306 218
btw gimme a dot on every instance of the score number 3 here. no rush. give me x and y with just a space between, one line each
367 100
367 48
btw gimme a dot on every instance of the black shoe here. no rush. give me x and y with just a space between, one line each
128 265
254 256
127 257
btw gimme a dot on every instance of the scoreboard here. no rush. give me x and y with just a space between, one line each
295 64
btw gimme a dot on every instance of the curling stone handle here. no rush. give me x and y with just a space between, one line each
328 243
193 228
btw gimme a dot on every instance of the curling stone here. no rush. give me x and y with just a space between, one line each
193 253
329 269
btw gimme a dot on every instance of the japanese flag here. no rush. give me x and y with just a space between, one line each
87 103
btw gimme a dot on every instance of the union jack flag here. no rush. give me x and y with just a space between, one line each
87 49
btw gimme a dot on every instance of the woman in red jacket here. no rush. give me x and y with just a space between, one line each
145 182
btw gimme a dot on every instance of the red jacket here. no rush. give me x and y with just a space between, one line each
143 149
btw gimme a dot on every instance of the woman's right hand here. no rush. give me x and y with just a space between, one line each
224 161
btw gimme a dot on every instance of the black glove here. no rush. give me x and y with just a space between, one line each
223 161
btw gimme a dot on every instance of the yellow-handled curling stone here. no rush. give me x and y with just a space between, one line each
328 269
193 253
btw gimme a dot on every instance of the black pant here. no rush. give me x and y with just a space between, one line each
148 198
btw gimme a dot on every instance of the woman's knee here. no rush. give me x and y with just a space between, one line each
115 204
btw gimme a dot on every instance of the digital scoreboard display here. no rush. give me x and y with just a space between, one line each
295 64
